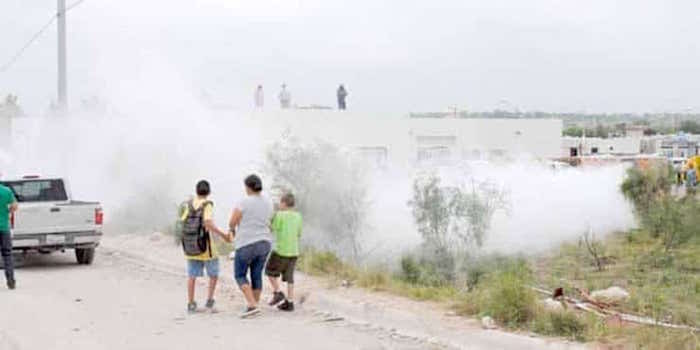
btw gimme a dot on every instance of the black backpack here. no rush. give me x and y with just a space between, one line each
195 238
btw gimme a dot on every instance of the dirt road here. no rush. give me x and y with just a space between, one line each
135 300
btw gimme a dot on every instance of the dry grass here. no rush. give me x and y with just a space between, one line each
663 285
328 265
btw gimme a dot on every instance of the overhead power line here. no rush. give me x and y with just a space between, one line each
36 36
26 45
70 7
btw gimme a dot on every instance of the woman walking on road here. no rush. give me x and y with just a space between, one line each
250 225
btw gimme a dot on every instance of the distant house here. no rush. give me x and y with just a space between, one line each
436 141
635 131
592 146
677 146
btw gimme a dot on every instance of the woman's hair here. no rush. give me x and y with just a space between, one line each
254 183
203 188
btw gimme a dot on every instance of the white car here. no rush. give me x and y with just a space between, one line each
48 220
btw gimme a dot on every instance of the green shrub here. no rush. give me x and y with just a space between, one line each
323 263
643 186
476 269
419 292
663 339
504 294
510 300
374 279
673 220
559 323
410 270
435 269
501 290
474 276
689 260
470 304
655 259
567 324
662 214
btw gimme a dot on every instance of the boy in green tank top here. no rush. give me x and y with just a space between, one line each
286 227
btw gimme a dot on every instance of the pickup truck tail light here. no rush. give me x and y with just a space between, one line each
12 220
99 216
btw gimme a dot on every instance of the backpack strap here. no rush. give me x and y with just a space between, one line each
201 218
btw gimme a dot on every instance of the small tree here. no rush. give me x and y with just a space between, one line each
643 186
473 208
330 187
431 212
452 220
446 216
594 248
573 131
673 220
690 126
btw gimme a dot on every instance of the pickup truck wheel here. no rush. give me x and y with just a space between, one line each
85 256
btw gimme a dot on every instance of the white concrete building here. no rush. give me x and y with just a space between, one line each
403 140
588 146
672 146
384 139
677 146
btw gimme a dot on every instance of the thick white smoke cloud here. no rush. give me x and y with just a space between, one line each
548 206
545 206
144 154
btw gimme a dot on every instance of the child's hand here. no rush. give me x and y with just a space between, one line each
227 237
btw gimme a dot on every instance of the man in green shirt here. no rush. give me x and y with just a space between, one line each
8 205
286 226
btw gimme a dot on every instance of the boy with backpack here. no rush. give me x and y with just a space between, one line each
286 226
197 226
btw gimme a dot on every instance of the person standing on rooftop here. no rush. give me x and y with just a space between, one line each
259 97
285 97
342 94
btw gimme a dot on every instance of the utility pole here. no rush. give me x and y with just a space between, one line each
62 79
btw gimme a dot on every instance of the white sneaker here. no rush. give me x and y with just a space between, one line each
250 312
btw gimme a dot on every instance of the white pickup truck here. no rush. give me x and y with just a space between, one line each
48 220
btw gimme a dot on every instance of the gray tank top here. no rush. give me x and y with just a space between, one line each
255 221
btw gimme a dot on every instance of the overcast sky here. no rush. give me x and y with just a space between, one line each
393 55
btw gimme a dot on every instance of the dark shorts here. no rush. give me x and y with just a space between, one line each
281 265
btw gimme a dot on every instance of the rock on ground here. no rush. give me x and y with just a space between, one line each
488 322
552 305
612 295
